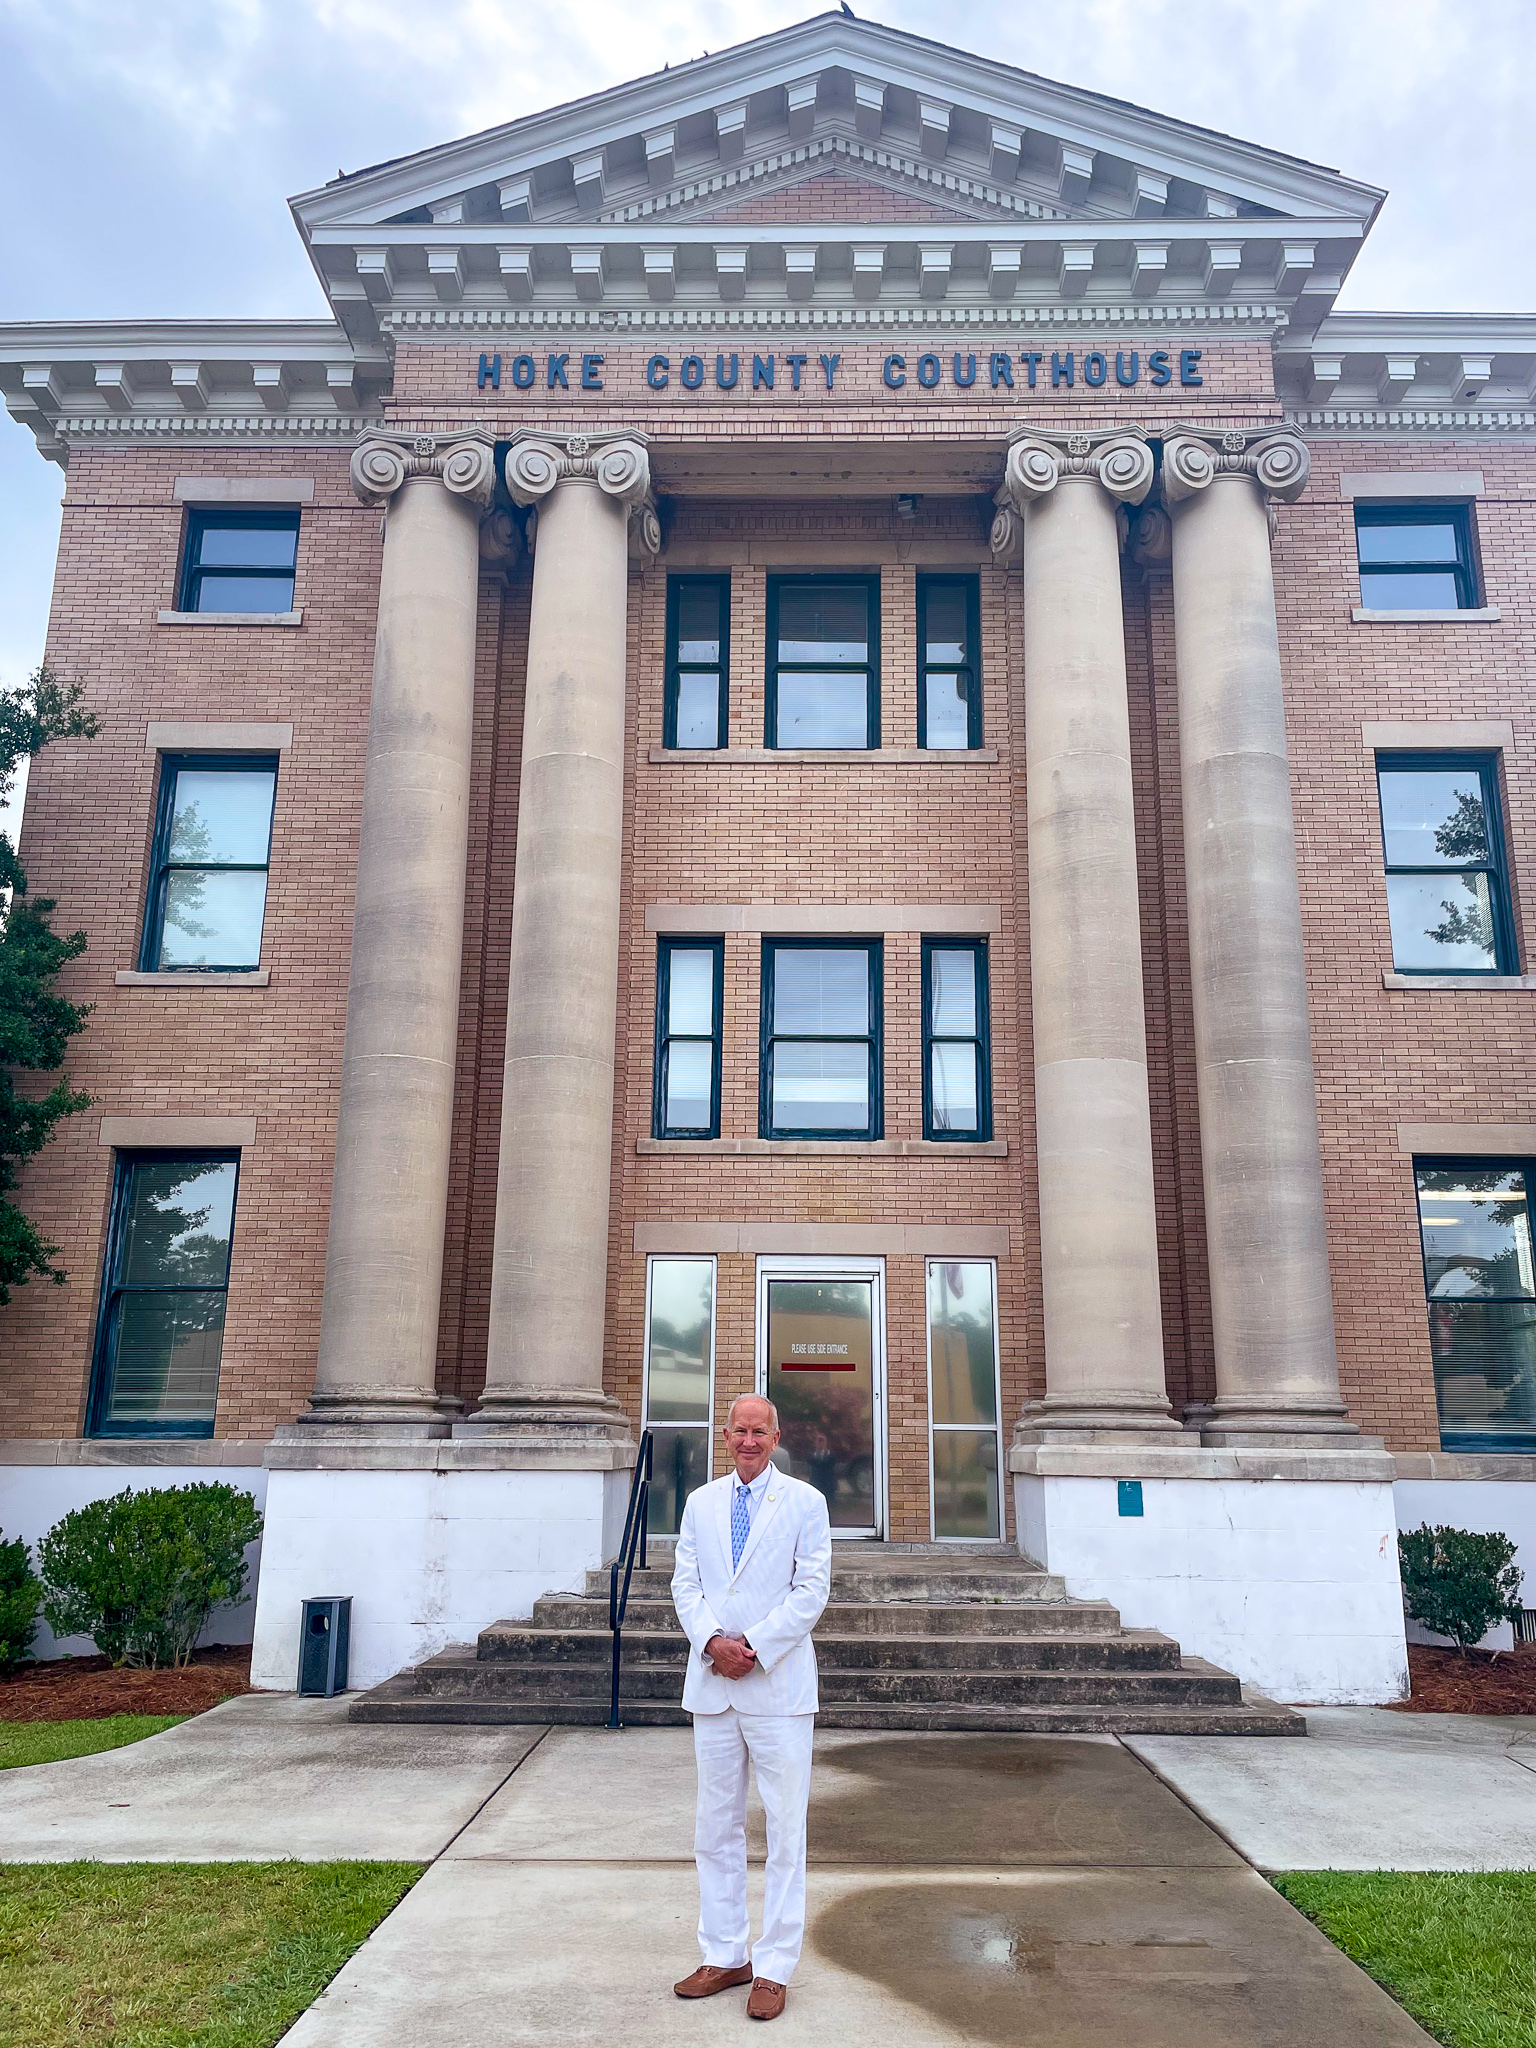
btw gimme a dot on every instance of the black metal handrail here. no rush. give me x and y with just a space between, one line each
635 1519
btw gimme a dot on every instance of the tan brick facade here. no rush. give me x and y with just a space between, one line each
885 828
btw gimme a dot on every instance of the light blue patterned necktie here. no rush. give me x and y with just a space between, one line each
741 1521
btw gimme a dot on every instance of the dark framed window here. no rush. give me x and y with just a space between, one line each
1475 1226
1443 842
240 560
820 1066
698 661
948 661
689 1005
208 870
823 661
957 1041
160 1327
1416 557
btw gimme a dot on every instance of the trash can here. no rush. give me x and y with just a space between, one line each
323 1638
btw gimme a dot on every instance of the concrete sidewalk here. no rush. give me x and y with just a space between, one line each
964 1889
1367 1790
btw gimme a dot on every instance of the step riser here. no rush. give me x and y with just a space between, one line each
1016 1721
866 1653
1047 1618
863 1688
947 1588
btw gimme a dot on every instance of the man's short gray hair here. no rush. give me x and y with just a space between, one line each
751 1397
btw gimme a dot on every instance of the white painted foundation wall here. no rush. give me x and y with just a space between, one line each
1291 1584
429 1558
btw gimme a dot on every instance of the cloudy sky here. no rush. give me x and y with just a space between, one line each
147 146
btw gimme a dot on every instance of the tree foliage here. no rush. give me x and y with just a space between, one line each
36 1024
20 1597
141 1573
1458 1583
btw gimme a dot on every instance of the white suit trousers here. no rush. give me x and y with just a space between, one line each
779 1746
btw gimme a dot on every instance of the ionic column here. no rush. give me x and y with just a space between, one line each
384 1255
1098 1225
544 1375
1276 1375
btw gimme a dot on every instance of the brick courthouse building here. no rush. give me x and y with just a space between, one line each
835 736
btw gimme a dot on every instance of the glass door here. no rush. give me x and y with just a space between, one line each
820 1361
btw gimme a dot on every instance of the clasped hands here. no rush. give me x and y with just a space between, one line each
732 1656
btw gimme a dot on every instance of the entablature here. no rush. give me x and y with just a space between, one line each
1413 372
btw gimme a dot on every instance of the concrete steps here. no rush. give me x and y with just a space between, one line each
912 1638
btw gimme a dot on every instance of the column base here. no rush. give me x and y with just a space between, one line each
545 1415
411 1417
1128 1418
1242 1422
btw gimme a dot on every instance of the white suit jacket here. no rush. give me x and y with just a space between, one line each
774 1597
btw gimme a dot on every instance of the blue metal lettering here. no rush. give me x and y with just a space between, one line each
1032 361
796 365
1002 371
969 378
657 371
727 383
829 364
1095 367
1120 376
1158 364
895 372
1061 372
693 372
490 373
1188 374
523 372
556 372
590 380
928 371
762 373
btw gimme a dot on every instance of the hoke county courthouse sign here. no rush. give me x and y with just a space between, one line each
996 370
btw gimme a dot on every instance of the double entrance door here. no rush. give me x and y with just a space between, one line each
821 1361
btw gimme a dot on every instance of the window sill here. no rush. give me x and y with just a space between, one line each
882 757
1485 615
821 1148
1496 982
229 618
257 977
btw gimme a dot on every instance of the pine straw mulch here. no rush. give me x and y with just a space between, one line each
1482 1682
81 1688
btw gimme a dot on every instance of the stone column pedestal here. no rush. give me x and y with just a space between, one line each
384 1254
1271 1307
544 1372
1098 1224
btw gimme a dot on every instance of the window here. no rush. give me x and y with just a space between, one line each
957 1057
962 1399
1443 837
948 661
689 974
208 873
1475 1225
698 661
823 661
1416 557
161 1326
820 1071
679 1383
239 561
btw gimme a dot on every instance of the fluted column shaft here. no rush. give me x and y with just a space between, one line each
384 1255
1093 1126
1272 1311
544 1372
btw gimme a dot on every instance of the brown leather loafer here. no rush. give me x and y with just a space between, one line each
707 1980
767 2000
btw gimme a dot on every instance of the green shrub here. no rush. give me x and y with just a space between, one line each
20 1597
141 1573
1458 1583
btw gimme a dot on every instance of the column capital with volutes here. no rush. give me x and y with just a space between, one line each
1277 461
1037 462
464 464
617 462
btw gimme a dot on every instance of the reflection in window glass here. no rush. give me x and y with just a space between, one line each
208 890
1480 1279
167 1275
957 1091
1415 557
948 670
688 1012
698 629
820 1050
964 1410
241 560
823 674
1446 894
679 1382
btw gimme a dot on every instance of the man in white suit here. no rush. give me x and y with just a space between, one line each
754 1568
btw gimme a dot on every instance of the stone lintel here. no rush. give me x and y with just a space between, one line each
1194 1461
130 1450
1477 1465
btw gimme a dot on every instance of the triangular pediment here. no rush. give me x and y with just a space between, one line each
834 196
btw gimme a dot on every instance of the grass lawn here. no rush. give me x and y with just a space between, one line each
50 1742
1457 1950
178 1955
